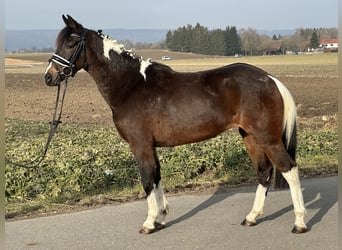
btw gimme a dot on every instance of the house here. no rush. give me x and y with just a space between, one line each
329 45
274 48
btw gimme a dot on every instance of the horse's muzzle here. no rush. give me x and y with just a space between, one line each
48 79
53 82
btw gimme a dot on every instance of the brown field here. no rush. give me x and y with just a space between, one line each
311 79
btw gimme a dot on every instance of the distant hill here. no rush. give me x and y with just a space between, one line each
284 32
40 39
45 39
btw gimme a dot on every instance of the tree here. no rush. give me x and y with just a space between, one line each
169 40
200 39
232 41
217 42
314 40
250 40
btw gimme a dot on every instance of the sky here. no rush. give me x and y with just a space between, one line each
171 14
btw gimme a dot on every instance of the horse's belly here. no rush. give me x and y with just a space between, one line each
174 134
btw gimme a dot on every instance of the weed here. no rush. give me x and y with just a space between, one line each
86 160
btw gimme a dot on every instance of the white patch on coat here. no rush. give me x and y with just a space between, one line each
110 44
144 65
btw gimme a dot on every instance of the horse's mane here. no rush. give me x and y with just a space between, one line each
119 55
118 47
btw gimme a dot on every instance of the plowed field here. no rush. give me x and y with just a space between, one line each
314 87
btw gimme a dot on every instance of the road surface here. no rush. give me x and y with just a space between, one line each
196 221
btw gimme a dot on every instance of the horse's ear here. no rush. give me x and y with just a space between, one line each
65 20
71 23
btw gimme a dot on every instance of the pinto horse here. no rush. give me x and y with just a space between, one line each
155 106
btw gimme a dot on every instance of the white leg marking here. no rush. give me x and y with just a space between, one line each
157 207
163 205
292 177
258 206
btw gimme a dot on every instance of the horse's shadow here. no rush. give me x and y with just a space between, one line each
217 197
315 197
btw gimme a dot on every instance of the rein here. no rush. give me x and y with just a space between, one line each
69 65
56 120
67 71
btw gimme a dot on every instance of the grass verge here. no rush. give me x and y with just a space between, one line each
89 165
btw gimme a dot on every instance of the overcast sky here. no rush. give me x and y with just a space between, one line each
171 14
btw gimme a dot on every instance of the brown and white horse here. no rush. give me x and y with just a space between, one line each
155 106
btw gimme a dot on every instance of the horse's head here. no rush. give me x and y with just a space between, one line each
70 53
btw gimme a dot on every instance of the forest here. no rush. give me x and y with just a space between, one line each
231 41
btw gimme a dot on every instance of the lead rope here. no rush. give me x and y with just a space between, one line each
53 128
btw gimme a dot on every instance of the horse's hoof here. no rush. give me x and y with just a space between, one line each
299 230
145 230
159 226
247 223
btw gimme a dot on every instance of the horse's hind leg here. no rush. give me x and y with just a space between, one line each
292 177
282 160
150 176
264 171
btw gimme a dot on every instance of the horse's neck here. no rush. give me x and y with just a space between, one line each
109 82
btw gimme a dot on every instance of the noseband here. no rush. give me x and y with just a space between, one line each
69 65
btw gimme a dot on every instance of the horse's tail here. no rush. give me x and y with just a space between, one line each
289 129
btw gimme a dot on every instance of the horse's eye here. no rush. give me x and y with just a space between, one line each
70 45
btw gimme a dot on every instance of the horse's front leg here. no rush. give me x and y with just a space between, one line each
158 207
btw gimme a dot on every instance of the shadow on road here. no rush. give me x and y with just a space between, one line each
217 197
315 197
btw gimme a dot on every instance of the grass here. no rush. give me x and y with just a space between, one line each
88 160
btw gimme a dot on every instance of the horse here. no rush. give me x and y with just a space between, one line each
154 106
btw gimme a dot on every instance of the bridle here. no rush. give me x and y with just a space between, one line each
67 71
68 66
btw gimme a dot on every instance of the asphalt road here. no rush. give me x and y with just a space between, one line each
199 221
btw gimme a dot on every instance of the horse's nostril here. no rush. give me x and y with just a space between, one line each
48 78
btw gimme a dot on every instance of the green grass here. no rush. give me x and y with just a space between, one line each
86 160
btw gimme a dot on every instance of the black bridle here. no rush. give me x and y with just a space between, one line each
68 66
67 71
